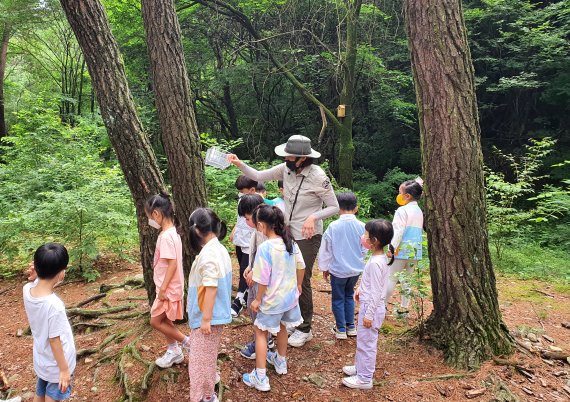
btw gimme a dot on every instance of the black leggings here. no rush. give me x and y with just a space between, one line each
243 260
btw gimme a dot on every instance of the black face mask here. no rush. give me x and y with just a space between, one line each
291 165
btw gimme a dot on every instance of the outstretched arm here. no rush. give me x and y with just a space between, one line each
274 173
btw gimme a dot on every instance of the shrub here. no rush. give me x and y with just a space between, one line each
56 188
507 210
381 194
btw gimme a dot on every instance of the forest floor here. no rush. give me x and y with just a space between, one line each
407 370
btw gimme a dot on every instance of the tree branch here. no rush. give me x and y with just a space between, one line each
246 23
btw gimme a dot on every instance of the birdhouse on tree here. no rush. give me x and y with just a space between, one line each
341 111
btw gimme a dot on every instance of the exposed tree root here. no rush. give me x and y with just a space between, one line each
93 325
117 337
446 377
501 391
74 311
131 298
131 350
90 300
134 314
135 283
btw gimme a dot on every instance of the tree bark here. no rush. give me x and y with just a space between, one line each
180 135
90 25
466 321
3 58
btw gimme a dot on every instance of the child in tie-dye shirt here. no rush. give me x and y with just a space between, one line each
278 271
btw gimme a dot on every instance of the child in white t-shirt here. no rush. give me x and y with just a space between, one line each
240 237
53 347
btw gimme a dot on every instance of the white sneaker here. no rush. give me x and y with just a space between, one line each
299 338
354 382
349 370
170 358
351 331
338 334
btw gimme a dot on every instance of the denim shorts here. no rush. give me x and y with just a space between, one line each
51 389
272 322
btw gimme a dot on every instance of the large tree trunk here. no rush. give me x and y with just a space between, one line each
466 321
136 157
3 57
180 135
346 146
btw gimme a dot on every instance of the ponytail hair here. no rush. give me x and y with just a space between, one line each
160 202
164 204
204 221
380 231
393 252
414 188
273 217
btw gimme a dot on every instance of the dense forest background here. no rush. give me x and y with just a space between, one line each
60 180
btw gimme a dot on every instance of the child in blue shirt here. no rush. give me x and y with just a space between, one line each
341 257
278 202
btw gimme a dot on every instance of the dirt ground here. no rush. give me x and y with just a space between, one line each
406 369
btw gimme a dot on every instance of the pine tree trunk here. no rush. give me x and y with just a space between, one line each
173 99
466 321
3 59
136 157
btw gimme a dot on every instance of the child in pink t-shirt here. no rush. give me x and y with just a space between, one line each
168 278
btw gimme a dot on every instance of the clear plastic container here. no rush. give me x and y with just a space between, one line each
216 158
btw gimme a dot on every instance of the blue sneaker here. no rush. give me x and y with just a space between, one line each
270 343
252 380
280 365
248 351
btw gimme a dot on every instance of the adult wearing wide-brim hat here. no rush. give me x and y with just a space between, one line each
306 188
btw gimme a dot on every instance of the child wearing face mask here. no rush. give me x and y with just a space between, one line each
168 278
407 241
370 294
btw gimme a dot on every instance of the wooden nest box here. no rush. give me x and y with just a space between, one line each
341 111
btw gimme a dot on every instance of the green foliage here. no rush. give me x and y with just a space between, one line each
208 141
506 210
56 188
526 259
416 289
382 194
521 55
222 193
